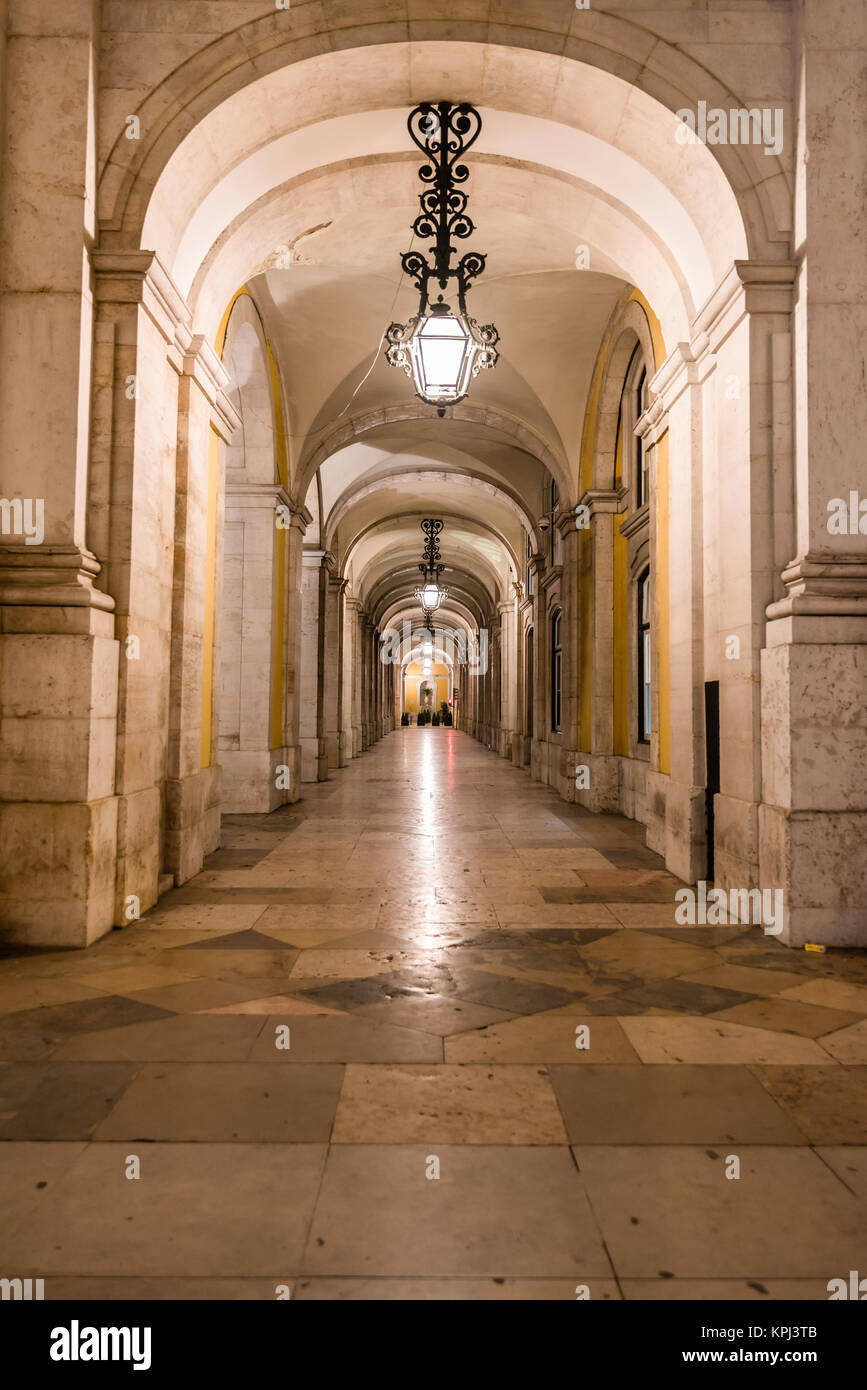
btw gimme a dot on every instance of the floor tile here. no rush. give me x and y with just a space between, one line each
849 1045
831 994
671 1210
34 1032
273 1004
347 1038
669 1105
179 1038
20 995
219 916
545 1037
196 1210
58 1100
849 1162
646 956
745 979
253 1102
707 1040
826 1102
725 1290
502 1211
447 1105
433 1013
791 1016
457 1289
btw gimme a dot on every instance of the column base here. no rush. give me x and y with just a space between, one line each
57 867
192 821
819 860
249 781
602 793
309 759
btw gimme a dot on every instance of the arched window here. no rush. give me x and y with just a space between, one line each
530 681
529 585
556 668
641 402
633 403
643 664
556 538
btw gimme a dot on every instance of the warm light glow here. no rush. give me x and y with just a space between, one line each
442 351
442 344
430 597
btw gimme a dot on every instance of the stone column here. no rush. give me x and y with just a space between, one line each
332 666
812 830
604 506
676 779
741 532
358 618
540 662
508 626
251 647
160 421
310 684
206 420
300 519
350 656
572 757
368 736
58 648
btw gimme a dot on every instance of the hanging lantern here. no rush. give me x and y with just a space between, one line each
429 594
442 349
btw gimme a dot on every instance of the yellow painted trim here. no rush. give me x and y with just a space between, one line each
662 585
210 596
659 352
220 339
281 450
591 415
621 618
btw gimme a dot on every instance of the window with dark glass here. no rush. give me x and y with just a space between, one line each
644 662
554 507
556 669
641 402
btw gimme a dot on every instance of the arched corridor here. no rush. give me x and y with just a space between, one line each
433 630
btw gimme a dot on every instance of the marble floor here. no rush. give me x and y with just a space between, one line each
432 1033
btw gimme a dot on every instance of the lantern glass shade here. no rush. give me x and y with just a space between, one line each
441 350
442 357
431 596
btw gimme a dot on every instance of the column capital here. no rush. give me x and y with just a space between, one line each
139 277
599 502
748 287
299 518
203 365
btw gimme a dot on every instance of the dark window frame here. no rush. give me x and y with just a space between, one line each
644 653
557 671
